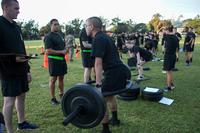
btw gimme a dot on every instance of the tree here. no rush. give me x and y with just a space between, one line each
104 21
155 21
163 23
141 27
130 25
194 23
122 27
73 27
115 21
30 30
44 30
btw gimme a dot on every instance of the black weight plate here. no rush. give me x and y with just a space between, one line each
92 102
134 91
152 96
130 94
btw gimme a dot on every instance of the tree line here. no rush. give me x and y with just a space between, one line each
31 30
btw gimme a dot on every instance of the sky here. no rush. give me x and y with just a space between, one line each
42 11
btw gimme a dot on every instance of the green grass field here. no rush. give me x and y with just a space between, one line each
138 116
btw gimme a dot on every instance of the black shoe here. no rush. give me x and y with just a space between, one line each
172 86
167 89
54 101
105 131
191 60
26 126
114 122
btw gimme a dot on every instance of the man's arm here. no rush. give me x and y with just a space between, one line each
55 52
98 70
86 44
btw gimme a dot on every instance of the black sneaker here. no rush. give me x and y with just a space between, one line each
114 122
26 126
167 89
105 131
191 60
54 101
172 86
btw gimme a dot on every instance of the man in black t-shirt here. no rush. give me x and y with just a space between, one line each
106 60
86 50
14 69
191 33
55 48
178 35
171 45
188 42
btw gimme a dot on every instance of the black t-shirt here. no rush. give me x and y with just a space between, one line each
103 47
193 36
11 41
83 37
54 41
171 44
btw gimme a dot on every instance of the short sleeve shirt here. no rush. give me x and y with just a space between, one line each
171 44
103 47
54 41
84 37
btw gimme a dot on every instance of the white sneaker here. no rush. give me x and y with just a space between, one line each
164 72
140 77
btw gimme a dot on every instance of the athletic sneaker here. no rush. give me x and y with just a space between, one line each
114 122
167 89
164 71
26 126
105 131
140 77
187 63
172 86
54 101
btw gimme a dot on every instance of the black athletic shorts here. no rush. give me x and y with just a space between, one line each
115 79
169 62
14 87
188 48
57 67
87 60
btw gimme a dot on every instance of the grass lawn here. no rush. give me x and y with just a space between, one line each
138 116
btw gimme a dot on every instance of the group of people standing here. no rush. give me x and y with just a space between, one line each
98 52
14 80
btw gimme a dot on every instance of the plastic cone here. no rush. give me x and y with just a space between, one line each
45 62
